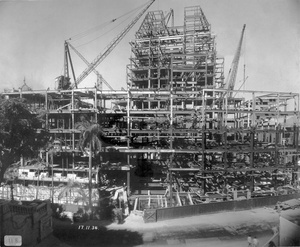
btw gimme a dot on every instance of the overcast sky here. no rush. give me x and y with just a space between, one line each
32 35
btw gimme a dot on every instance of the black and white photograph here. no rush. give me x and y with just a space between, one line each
149 123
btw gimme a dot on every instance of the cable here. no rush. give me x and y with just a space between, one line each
86 32
99 27
137 8
107 31
245 59
102 34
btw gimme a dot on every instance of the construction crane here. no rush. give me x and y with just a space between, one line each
167 18
231 78
109 48
100 78
63 81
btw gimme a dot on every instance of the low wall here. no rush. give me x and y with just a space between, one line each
31 220
160 214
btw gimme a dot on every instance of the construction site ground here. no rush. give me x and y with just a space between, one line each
220 229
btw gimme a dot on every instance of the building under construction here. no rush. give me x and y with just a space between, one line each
179 131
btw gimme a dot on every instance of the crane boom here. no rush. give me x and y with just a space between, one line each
230 82
99 76
101 79
110 47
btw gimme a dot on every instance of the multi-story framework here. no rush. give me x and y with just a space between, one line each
199 133
176 127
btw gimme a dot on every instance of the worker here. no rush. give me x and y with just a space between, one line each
255 242
249 240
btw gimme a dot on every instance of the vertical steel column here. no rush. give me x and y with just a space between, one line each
203 182
47 111
171 132
206 71
171 179
171 102
253 120
129 105
226 150
252 135
73 128
252 158
95 105
226 108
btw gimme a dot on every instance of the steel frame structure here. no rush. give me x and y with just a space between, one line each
171 117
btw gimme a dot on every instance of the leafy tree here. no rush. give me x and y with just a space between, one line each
18 133
10 174
90 139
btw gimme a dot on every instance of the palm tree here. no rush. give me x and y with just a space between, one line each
75 187
90 139
51 152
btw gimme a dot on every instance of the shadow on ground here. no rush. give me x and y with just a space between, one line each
94 233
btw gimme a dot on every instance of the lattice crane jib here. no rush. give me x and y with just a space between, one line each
110 47
100 78
230 82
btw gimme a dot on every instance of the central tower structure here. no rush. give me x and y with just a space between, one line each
165 56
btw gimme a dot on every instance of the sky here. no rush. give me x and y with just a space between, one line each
32 35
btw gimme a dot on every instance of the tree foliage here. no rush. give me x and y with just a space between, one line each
75 188
18 132
90 138
91 135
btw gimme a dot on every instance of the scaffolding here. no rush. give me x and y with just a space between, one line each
182 119
175 130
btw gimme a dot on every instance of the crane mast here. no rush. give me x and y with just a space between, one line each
109 48
230 82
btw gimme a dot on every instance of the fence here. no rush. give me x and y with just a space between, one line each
24 193
213 207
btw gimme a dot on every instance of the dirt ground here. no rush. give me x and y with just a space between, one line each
220 229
